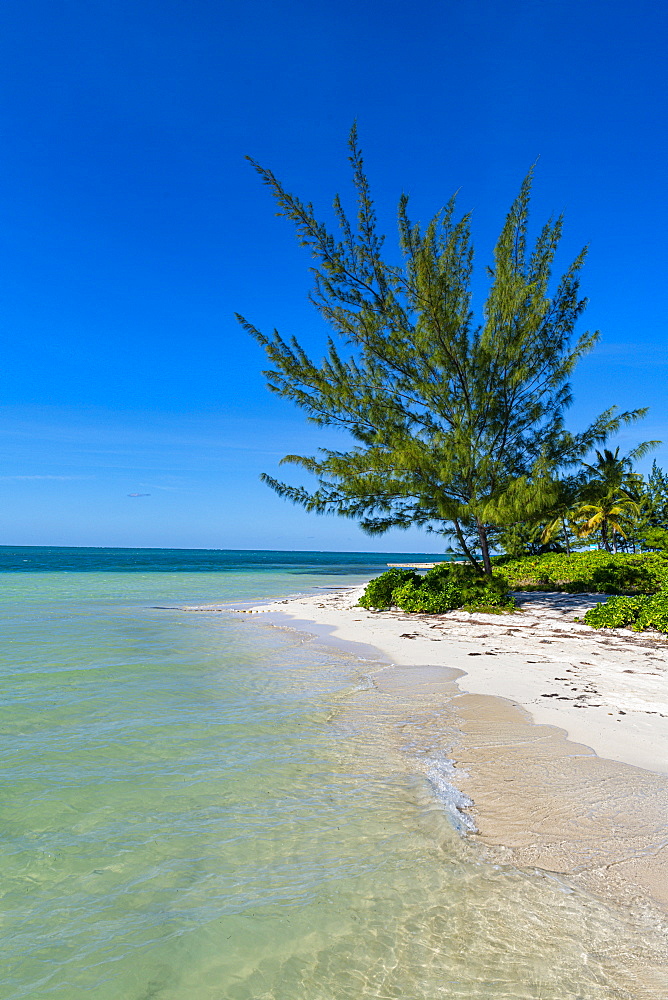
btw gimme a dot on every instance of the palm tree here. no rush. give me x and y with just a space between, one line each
609 514
610 501
613 472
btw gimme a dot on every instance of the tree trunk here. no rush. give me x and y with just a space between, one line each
568 545
467 552
604 536
484 548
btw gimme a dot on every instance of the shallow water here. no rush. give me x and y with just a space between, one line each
199 806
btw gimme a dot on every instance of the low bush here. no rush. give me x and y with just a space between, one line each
378 593
654 613
617 612
636 613
416 597
443 588
586 572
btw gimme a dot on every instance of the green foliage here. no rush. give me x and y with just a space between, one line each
608 501
556 525
642 579
535 539
444 572
420 597
586 572
617 612
612 514
651 529
654 613
615 472
456 423
655 538
610 504
637 613
655 498
443 588
378 593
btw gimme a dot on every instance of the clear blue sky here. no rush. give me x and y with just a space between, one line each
133 228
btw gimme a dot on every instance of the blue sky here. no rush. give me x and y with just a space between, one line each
133 229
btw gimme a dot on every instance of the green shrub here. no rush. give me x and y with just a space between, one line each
617 612
490 604
414 598
443 572
637 613
378 593
654 613
586 572
443 588
485 591
469 586
655 538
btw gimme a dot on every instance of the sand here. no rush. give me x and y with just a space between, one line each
563 744
607 689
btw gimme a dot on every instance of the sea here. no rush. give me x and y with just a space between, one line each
197 805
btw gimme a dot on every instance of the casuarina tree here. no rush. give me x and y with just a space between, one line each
456 423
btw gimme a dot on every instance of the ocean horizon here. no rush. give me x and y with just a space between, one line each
86 558
198 805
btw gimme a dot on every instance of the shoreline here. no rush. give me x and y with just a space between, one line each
563 743
606 689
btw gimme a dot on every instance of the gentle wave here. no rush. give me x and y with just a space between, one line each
201 806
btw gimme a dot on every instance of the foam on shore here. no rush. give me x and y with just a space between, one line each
607 689
563 745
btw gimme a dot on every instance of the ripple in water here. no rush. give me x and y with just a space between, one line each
199 807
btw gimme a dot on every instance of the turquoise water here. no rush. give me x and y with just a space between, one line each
197 806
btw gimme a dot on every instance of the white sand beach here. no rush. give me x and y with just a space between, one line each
564 729
608 689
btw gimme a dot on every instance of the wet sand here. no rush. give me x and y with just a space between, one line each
563 734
